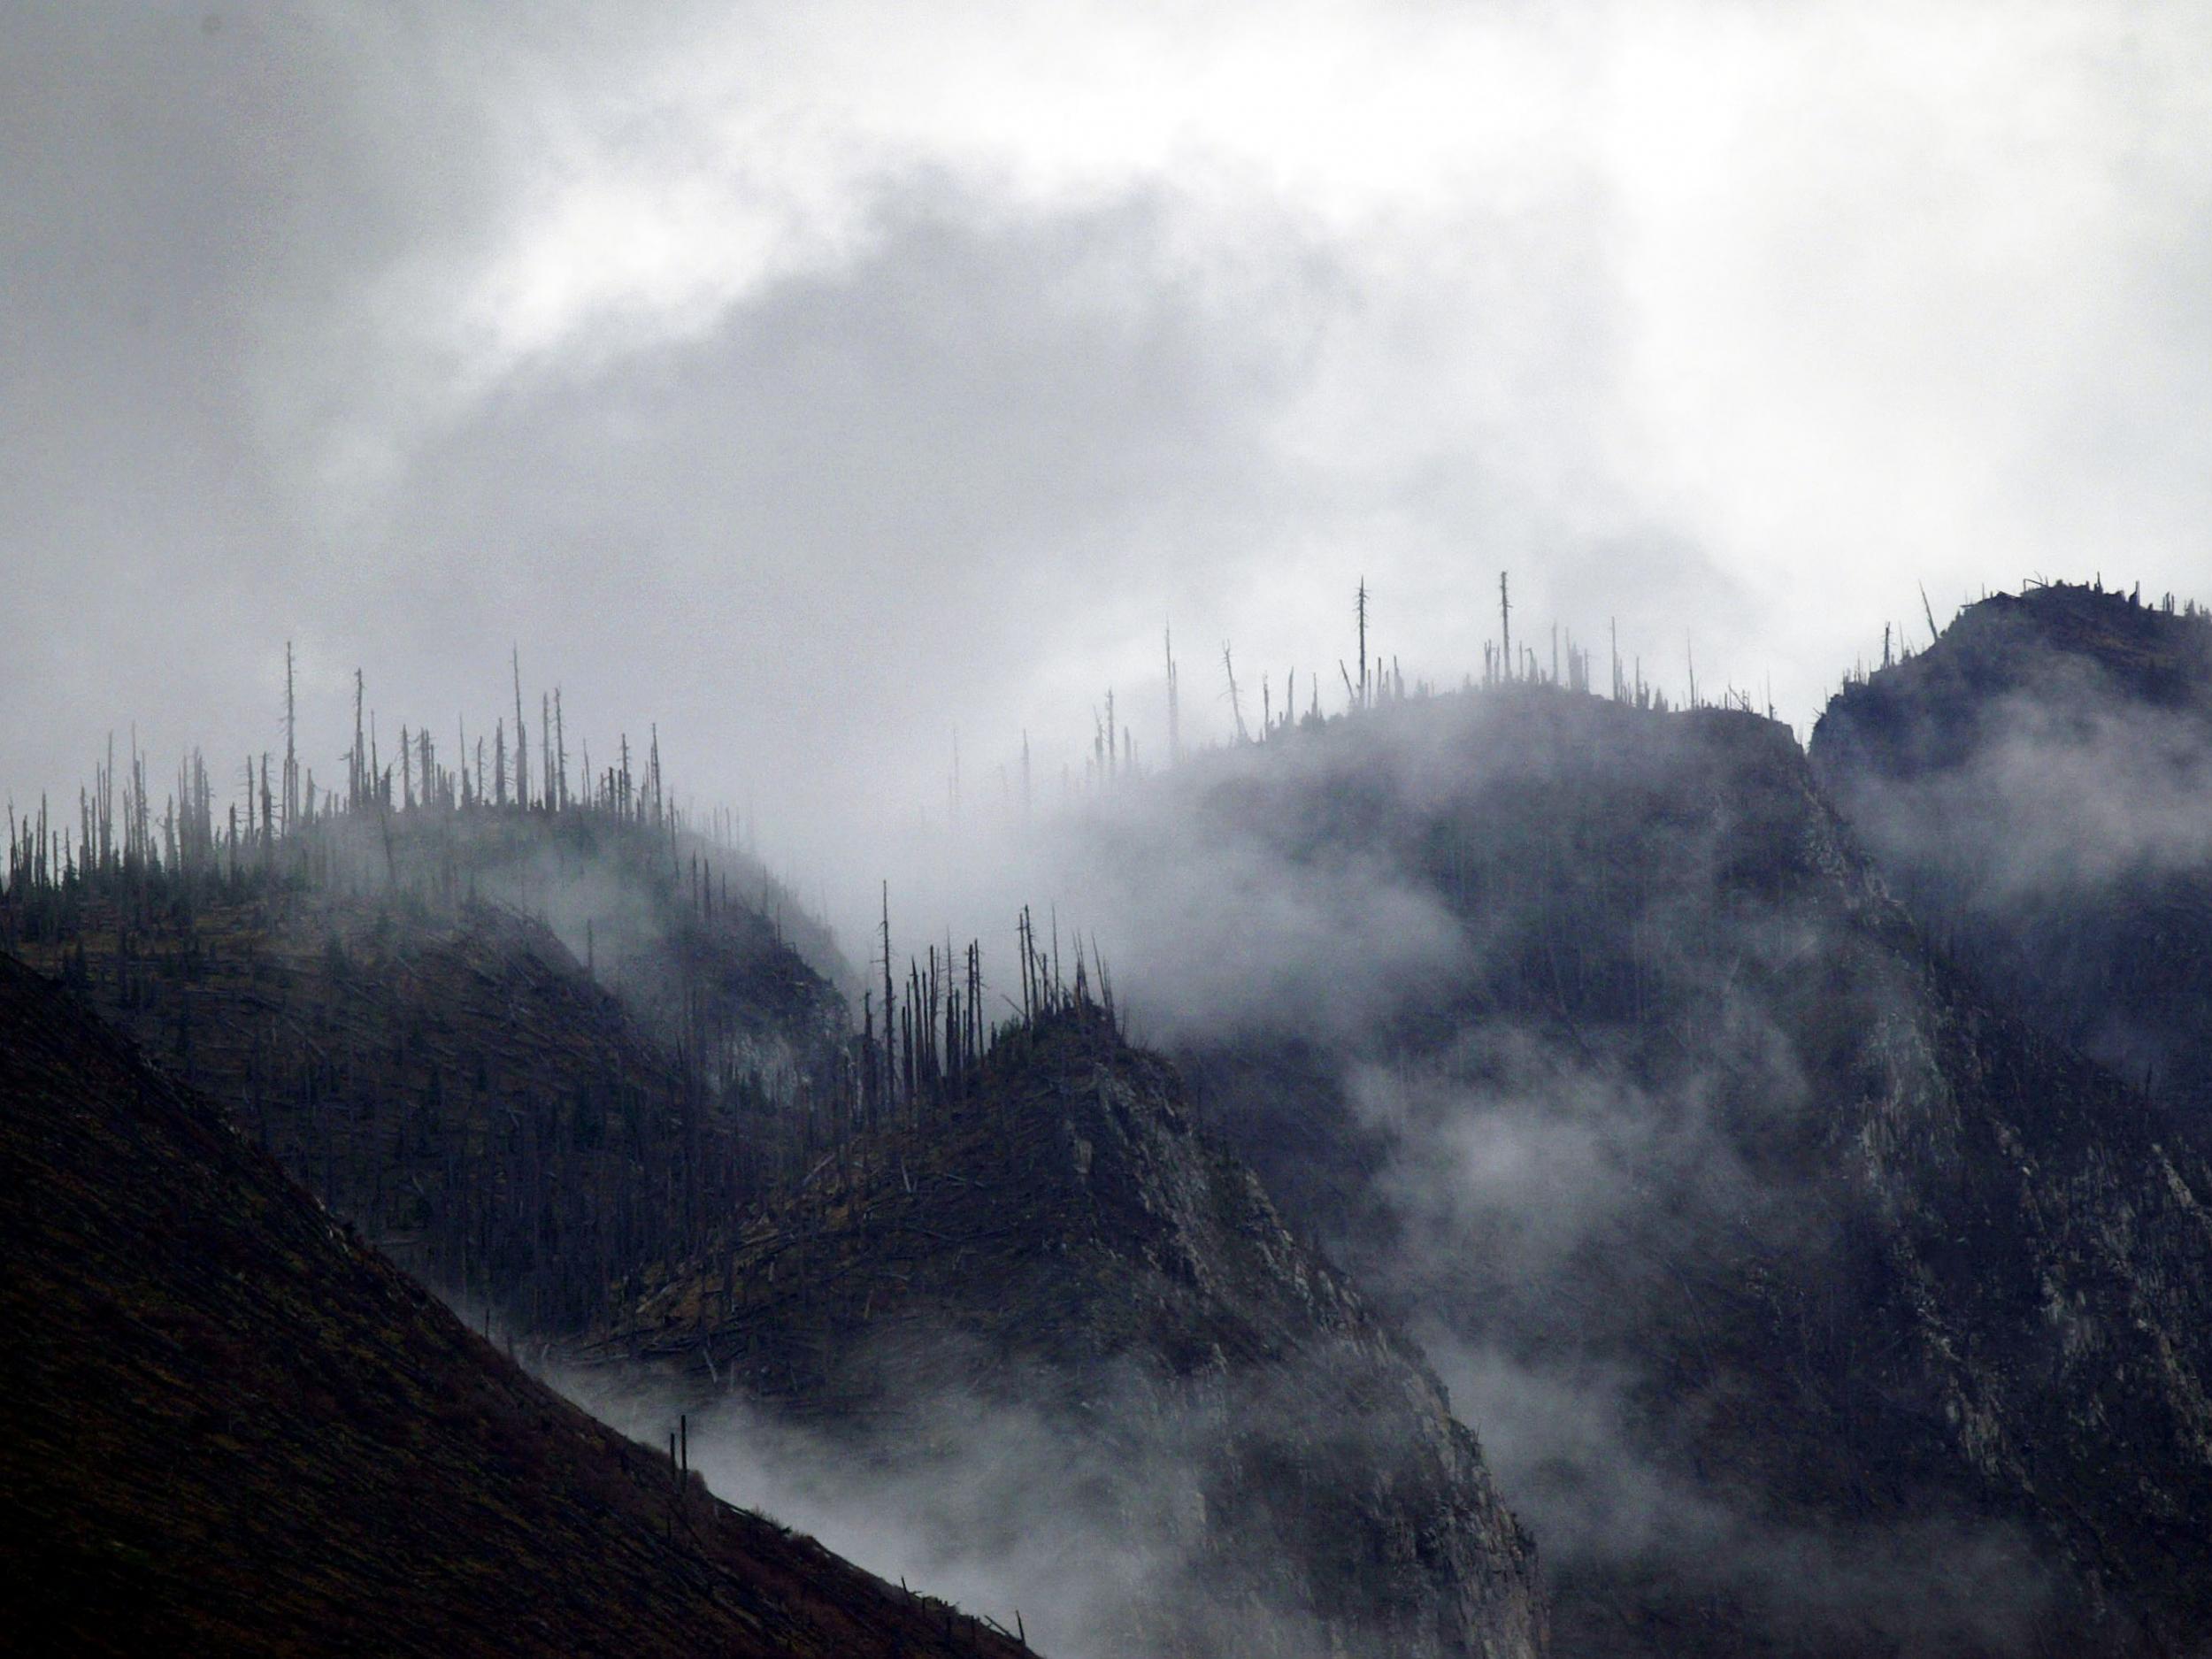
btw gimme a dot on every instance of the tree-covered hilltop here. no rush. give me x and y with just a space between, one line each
528 1035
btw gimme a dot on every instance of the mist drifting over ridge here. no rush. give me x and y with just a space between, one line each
738 363
864 402
1684 1153
2037 787
1538 1006
1583 1036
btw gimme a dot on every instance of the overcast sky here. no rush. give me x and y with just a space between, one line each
819 380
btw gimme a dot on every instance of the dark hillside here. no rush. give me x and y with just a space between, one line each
2037 785
1807 1304
1055 1240
394 1009
232 1429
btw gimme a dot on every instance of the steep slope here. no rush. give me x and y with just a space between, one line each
519 1121
1055 1243
232 1429
1807 1304
2037 785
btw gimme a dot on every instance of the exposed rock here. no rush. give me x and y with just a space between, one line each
1809 1304
1058 1240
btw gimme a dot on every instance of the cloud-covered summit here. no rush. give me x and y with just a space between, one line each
822 383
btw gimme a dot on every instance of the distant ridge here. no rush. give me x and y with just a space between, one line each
525 1051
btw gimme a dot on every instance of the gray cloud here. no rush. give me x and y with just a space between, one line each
757 372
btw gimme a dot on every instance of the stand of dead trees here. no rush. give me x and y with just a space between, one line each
402 992
371 979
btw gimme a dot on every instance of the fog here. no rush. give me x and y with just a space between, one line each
2071 789
1092 1540
834 390
860 398
1566 1439
1574 1210
2056 831
1555 1021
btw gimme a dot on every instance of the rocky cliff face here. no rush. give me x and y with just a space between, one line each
232 1429
1809 1303
1210 1404
2038 786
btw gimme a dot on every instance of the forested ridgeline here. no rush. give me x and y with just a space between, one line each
529 1039
527 1036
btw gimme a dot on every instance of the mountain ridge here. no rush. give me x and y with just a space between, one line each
1059 1240
2037 785
1721 1195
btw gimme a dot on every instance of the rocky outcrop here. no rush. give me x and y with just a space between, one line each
1057 1239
